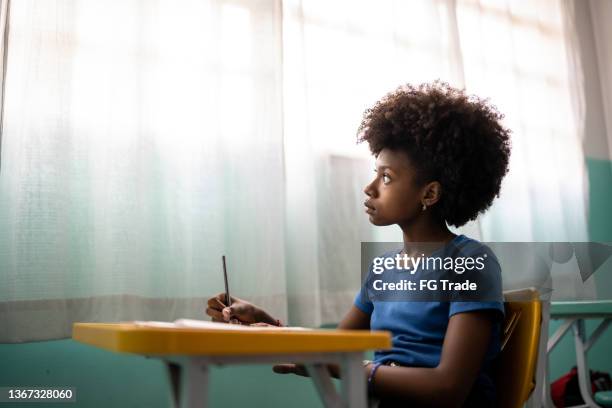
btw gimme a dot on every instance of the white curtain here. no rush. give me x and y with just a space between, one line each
142 140
593 18
522 56
515 53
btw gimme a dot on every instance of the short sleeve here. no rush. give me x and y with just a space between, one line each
489 277
362 300
462 307
363 303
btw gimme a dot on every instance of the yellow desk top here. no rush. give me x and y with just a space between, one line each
129 338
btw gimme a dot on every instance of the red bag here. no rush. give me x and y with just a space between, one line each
566 392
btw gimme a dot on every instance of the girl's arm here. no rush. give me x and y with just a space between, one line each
355 319
447 385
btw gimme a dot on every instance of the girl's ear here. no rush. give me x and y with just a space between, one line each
432 192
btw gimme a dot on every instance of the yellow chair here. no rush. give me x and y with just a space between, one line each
515 366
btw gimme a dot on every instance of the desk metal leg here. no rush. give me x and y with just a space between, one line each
324 385
189 383
552 343
584 378
353 381
174 378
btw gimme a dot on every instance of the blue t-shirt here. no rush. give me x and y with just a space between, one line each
418 327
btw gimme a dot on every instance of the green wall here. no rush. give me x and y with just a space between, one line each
600 217
600 230
106 379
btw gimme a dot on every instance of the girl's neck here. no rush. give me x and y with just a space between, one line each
424 231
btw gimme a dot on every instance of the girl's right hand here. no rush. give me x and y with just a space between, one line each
240 311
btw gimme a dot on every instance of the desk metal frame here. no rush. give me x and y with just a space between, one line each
575 321
189 376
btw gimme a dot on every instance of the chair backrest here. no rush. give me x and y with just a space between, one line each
515 366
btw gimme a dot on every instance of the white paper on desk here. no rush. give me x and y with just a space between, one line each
141 323
204 324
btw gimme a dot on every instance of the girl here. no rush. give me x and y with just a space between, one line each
440 158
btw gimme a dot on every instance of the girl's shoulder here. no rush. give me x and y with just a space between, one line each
463 245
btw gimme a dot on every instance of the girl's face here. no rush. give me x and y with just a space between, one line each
393 195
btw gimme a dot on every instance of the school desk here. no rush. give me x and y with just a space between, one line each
574 315
188 352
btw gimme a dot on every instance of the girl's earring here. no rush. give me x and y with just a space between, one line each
424 207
